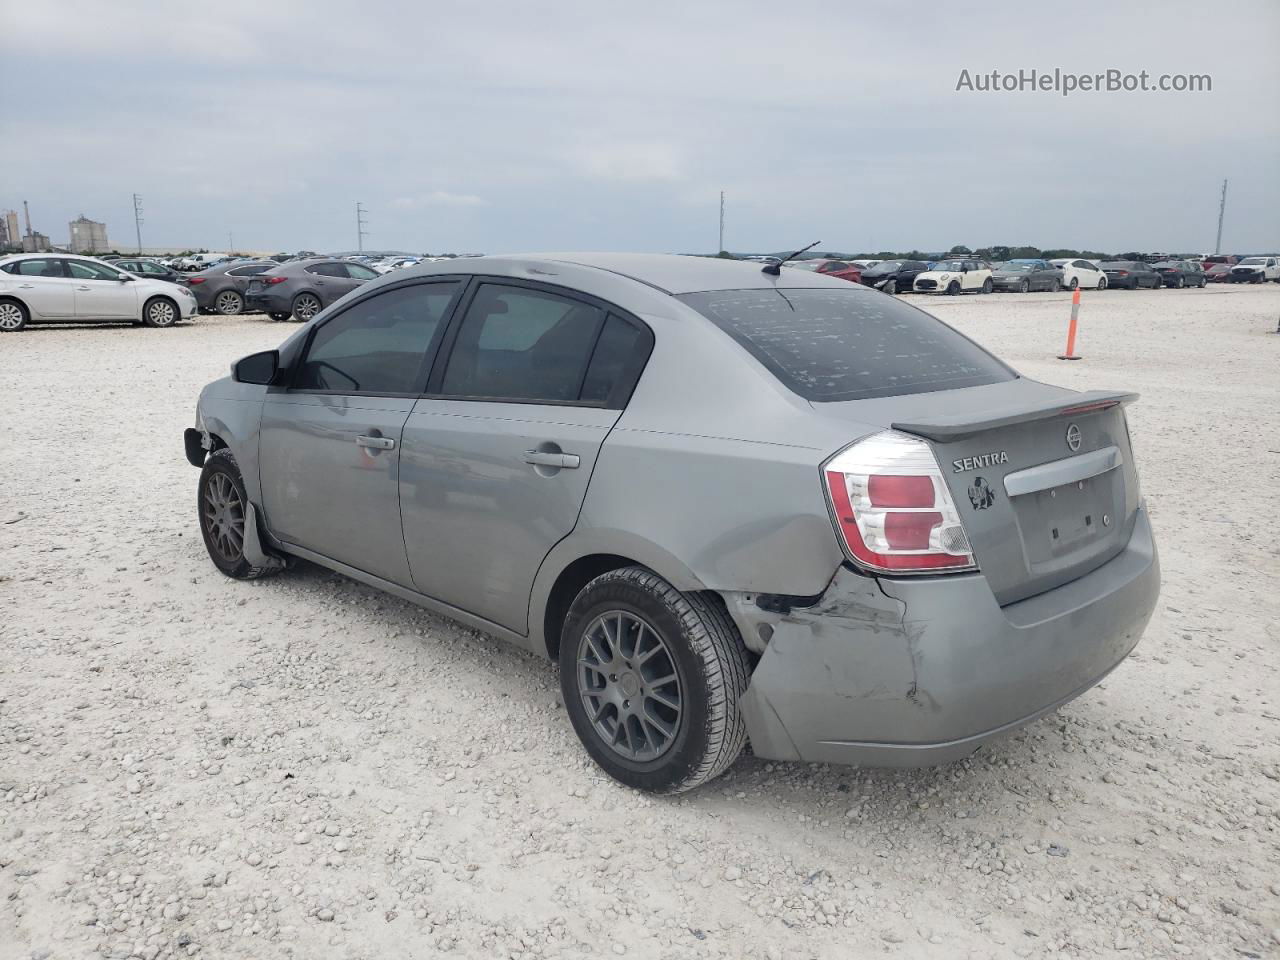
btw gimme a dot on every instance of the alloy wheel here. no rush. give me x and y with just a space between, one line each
629 686
10 317
161 313
306 307
228 303
223 517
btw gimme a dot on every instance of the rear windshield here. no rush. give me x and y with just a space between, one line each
829 345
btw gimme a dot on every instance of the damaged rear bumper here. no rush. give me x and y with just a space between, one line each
913 672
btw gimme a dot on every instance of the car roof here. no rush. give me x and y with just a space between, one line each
671 273
51 253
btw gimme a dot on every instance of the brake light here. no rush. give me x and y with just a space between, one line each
196 280
271 280
1124 273
892 508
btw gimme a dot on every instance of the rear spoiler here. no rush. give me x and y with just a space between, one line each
946 429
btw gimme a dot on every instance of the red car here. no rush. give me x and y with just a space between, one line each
1218 258
1218 272
831 268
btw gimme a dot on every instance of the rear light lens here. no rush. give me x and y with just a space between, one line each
892 508
271 280
194 280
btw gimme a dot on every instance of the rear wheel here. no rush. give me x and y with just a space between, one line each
1102 283
652 679
160 312
986 285
1054 285
305 306
1075 283
13 316
229 303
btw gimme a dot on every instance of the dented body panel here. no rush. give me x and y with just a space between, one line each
907 672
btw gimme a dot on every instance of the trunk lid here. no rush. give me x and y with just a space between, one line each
1043 478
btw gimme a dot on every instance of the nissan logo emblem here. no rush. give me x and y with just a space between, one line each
1073 437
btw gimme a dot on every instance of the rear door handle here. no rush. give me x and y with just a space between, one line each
376 443
541 458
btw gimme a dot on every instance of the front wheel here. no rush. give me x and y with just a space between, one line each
1024 287
953 288
652 679
160 312
278 316
221 503
891 287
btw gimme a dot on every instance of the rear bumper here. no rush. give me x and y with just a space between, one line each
267 303
912 672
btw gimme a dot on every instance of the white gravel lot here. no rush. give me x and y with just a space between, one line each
303 767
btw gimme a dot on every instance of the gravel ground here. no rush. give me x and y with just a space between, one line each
303 767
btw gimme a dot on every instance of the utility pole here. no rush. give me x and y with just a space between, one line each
721 247
137 220
361 223
26 212
1222 209
231 243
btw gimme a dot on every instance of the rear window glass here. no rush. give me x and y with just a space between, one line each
829 345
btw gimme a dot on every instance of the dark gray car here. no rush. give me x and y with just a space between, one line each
1024 276
731 503
300 289
149 269
224 289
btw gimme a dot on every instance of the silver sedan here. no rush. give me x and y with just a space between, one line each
731 501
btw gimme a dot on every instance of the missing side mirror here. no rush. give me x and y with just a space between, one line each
259 368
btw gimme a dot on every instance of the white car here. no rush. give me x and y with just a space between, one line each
60 288
1080 273
955 276
1256 270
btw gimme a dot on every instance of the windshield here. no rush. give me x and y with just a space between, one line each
830 345
954 265
1251 261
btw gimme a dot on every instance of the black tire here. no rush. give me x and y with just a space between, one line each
1177 283
953 288
1102 284
304 307
279 316
160 312
229 303
14 316
987 285
1024 287
706 651
1054 285
891 287
1075 282
226 555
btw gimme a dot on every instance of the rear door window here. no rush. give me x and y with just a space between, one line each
830 345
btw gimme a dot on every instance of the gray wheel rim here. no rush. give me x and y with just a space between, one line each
228 302
306 307
629 686
161 313
10 316
222 512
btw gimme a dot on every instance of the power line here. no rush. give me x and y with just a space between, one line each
137 219
361 223
1222 209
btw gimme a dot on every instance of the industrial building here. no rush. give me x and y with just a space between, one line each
10 235
88 236
35 242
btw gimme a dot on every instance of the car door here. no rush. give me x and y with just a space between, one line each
497 457
971 278
103 292
329 447
44 286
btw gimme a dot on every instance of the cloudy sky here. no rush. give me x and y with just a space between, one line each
591 125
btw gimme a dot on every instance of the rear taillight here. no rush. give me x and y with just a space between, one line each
892 509
195 280
271 280
1123 273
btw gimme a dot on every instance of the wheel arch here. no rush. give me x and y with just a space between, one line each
26 307
575 562
177 307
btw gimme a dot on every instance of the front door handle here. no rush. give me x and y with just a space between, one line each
83 288
543 458
376 443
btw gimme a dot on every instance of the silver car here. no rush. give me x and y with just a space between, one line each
733 502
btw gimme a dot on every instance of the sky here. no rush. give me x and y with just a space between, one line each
523 126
